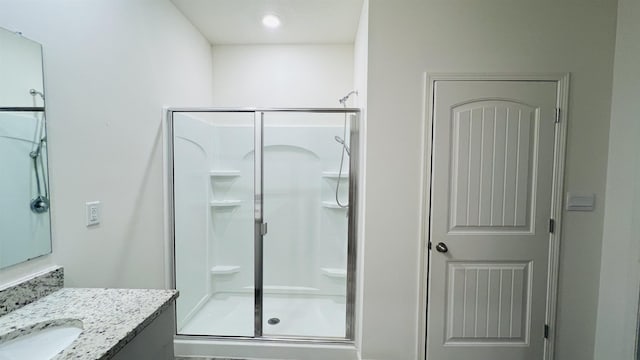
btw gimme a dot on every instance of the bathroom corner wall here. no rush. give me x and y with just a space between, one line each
110 66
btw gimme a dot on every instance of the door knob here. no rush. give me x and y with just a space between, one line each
442 247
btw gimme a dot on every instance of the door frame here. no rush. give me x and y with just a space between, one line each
562 103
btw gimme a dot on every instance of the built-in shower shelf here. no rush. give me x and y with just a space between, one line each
334 205
335 174
334 272
225 203
224 270
224 173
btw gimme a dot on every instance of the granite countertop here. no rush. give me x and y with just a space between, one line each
110 317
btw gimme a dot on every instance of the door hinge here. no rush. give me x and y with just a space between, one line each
552 226
429 245
557 115
546 331
263 229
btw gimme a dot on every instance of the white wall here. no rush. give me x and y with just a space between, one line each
110 65
620 276
281 75
408 38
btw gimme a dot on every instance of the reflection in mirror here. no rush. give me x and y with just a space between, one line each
20 71
24 187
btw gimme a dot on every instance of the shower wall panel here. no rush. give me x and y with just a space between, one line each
297 161
231 220
191 157
308 231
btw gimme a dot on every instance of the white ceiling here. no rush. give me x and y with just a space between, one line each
303 21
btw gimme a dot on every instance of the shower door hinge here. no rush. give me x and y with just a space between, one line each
557 115
263 229
546 331
552 226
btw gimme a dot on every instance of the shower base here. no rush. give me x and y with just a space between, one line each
284 316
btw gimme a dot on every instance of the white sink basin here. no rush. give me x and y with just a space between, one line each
41 341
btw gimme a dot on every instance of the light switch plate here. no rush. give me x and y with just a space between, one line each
580 202
93 213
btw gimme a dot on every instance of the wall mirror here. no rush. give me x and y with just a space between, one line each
25 231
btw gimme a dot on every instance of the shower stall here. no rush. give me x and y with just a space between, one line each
263 223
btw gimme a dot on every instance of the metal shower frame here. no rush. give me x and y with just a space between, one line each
260 225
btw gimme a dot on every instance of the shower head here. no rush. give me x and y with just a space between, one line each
35 92
343 100
340 141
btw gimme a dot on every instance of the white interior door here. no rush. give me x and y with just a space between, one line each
492 167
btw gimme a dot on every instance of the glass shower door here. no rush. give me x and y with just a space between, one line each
213 196
305 250
264 239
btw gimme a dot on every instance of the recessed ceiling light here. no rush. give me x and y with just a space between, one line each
271 21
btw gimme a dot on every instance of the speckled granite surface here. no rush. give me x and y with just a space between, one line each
15 296
110 317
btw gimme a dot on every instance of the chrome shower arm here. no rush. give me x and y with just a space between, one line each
343 100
